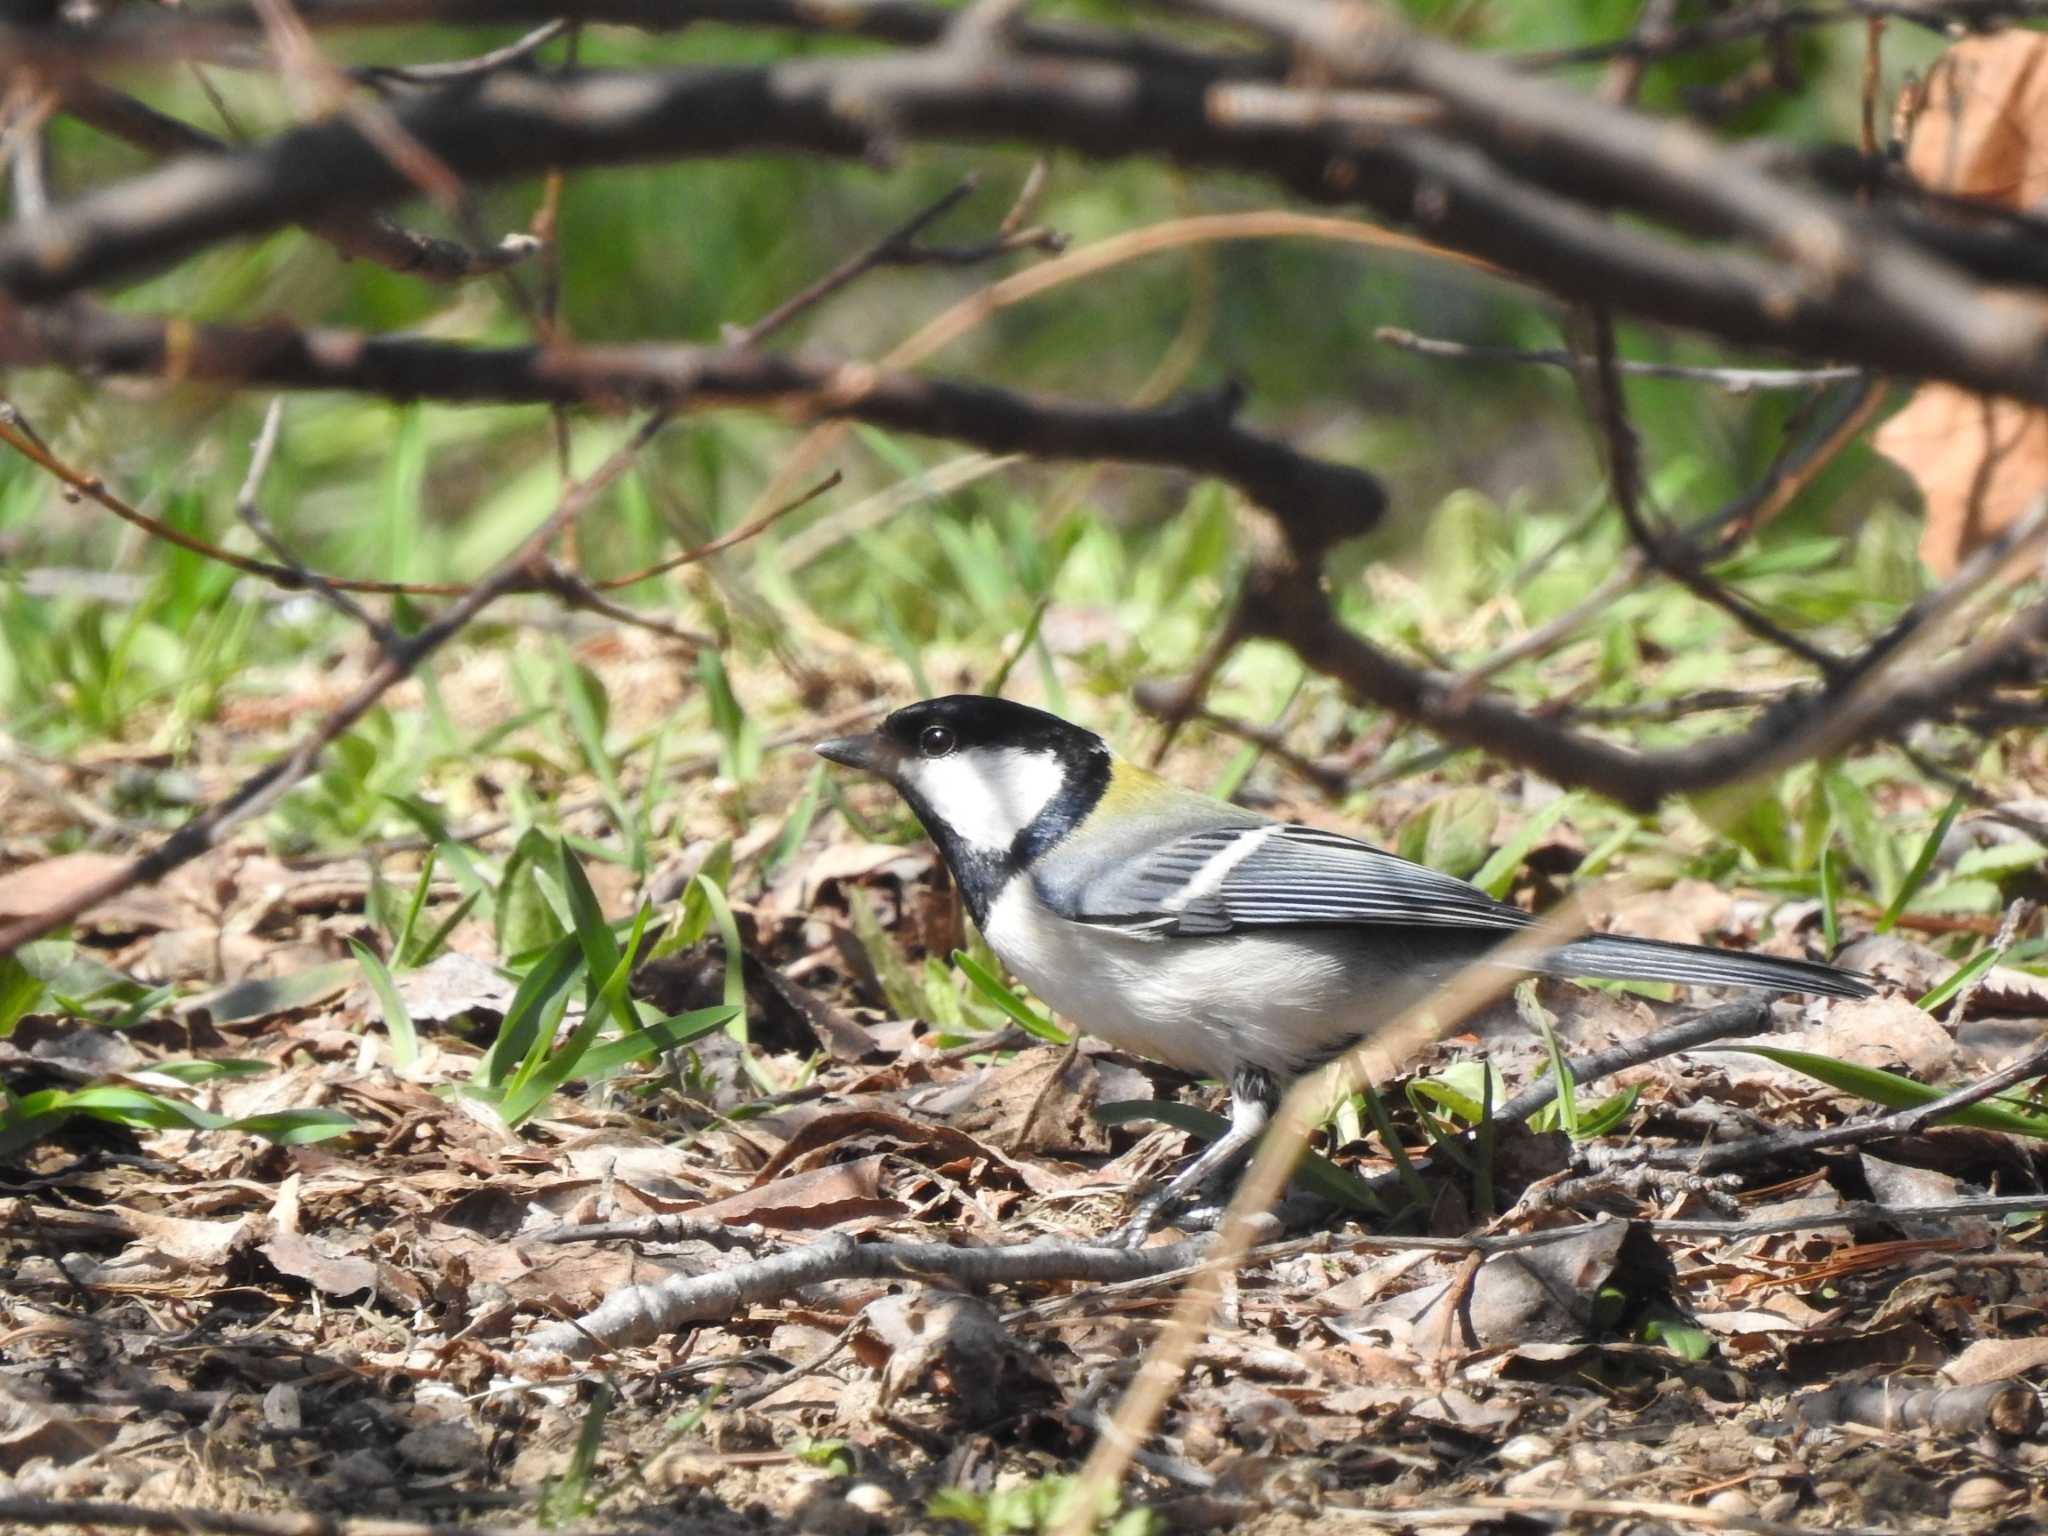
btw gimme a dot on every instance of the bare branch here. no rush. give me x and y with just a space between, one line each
1835 281
368 237
251 514
899 248
1731 381
1854 1133
640 1313
1319 501
1676 557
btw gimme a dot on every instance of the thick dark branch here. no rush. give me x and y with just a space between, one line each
1318 501
368 237
161 34
512 125
1598 153
1285 601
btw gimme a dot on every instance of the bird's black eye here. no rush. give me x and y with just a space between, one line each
936 741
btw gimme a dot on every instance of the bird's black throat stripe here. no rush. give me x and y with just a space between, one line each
980 872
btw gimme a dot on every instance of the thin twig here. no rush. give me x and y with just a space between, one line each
1744 1018
898 248
1733 381
515 52
1676 559
1854 1133
2017 915
1796 466
251 513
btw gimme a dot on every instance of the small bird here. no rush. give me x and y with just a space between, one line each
1204 935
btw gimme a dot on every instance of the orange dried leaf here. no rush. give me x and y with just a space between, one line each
1978 128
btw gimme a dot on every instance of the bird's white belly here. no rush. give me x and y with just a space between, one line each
1211 1005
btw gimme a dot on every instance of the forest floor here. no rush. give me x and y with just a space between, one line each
336 1317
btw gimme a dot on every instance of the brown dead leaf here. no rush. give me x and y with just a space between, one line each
1895 1184
35 888
33 1431
861 862
571 1275
1997 1360
1689 912
1889 1033
1906 963
451 985
312 1260
1038 1101
195 1245
825 1135
844 1195
1978 128
1536 1295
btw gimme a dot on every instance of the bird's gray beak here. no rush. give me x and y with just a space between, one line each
872 753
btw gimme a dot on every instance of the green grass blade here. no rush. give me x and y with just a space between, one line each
1830 902
405 1040
1496 876
538 1002
1539 1018
401 947
1000 678
1923 862
1404 1168
434 942
735 956
1963 975
992 987
2009 1112
652 1039
797 825
600 947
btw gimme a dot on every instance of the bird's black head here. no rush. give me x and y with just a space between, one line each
995 783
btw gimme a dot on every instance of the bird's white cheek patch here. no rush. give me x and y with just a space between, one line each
988 797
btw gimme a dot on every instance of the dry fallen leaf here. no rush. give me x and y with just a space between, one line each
1977 128
846 1196
1891 1034
35 888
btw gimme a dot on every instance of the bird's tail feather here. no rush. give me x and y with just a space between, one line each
1617 957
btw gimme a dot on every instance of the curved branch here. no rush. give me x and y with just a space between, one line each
1921 319
1285 601
1318 501
369 237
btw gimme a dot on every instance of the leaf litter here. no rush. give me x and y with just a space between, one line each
215 1318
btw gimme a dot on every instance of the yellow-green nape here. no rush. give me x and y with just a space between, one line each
1130 785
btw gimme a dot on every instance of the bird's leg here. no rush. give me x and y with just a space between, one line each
1253 1096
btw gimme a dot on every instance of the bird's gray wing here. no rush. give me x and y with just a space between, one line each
1277 876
